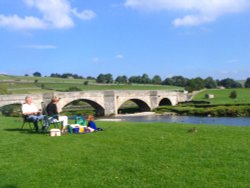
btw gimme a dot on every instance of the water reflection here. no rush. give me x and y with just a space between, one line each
239 121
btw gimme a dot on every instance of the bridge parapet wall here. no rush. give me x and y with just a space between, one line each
20 99
109 101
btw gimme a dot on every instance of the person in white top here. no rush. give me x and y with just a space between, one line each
31 113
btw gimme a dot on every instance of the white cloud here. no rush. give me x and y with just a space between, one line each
40 47
195 12
84 15
16 22
55 14
119 56
191 20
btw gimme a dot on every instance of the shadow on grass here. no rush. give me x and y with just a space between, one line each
9 186
24 131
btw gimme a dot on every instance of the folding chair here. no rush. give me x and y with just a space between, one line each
52 120
55 122
26 121
29 122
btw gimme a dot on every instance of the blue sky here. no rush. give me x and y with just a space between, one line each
126 37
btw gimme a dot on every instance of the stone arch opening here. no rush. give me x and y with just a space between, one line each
12 110
165 102
83 107
133 106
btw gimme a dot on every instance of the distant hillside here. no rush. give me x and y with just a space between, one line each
29 79
221 96
30 84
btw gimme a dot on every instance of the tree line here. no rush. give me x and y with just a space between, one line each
190 85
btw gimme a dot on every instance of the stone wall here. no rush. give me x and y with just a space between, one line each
107 101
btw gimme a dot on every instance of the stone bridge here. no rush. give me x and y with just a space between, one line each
105 102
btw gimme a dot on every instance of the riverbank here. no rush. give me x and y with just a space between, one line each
207 110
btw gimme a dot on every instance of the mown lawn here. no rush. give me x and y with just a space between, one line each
126 155
221 96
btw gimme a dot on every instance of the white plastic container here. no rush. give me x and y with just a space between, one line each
55 132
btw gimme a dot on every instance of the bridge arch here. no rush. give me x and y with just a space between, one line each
143 106
11 103
99 109
11 109
165 102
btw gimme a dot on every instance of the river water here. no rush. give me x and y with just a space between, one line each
231 121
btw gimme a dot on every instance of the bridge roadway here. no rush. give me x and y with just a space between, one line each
105 102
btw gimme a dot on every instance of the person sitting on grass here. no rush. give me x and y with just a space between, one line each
80 120
32 114
91 123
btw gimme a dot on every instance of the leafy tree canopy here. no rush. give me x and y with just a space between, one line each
37 74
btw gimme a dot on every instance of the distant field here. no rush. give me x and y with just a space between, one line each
41 79
221 96
19 88
23 84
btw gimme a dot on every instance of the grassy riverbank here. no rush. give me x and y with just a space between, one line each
207 110
221 105
221 96
126 155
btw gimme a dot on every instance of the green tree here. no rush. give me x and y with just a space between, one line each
109 78
121 79
100 78
104 78
145 79
168 81
179 81
90 78
55 75
195 84
135 79
230 83
210 83
233 95
156 80
37 74
247 83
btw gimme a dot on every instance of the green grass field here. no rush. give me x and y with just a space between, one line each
221 96
26 85
31 79
126 155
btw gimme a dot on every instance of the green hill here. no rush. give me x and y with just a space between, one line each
30 84
221 96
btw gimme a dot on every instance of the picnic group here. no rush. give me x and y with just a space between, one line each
51 115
